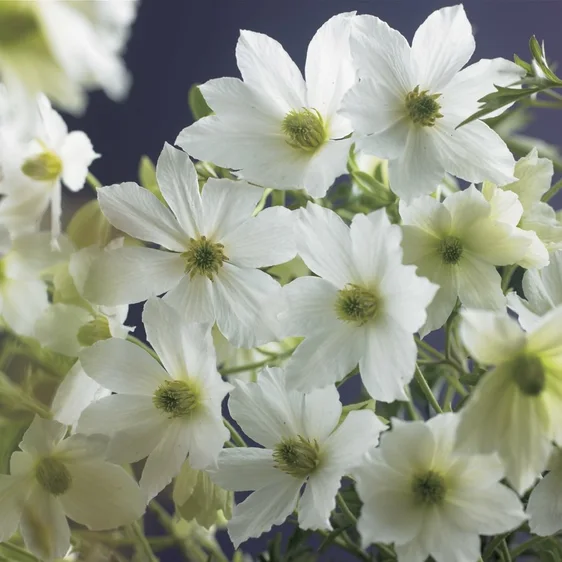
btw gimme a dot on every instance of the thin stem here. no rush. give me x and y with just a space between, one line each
254 366
93 182
138 342
21 552
534 541
492 545
345 510
552 191
167 522
507 274
429 349
235 436
420 379
141 542
410 406
504 549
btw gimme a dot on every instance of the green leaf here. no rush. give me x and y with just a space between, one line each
523 64
147 177
197 103
538 55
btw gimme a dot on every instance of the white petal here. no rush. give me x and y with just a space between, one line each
165 461
319 500
192 297
240 295
426 214
389 360
77 153
23 302
139 213
324 243
490 337
544 289
74 394
263 509
102 496
266 66
122 366
128 275
544 337
534 176
265 240
177 180
227 204
466 207
527 318
442 45
479 285
545 506
207 435
42 436
320 412
12 496
134 424
242 469
44 527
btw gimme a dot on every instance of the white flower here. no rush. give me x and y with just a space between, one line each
276 128
516 409
62 49
53 157
428 500
543 292
458 244
545 502
303 447
363 307
54 478
215 249
534 176
166 412
422 95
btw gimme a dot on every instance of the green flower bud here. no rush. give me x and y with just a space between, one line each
94 331
46 166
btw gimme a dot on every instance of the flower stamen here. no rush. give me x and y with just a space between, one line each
422 107
178 398
429 488
356 304
298 456
529 374
53 476
304 129
451 250
204 258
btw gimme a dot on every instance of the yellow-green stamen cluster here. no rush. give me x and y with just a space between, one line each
450 249
528 373
178 398
18 22
422 107
53 476
297 456
204 258
429 488
304 129
46 166
94 331
356 304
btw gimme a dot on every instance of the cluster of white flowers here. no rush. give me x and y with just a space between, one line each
312 295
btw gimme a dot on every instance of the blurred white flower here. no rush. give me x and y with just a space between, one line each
53 478
164 412
274 127
303 447
458 244
516 409
422 95
364 307
428 500
213 249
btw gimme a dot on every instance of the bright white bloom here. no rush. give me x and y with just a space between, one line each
165 413
422 95
534 176
276 128
545 502
63 49
516 409
543 292
428 500
364 307
303 447
458 244
215 249
33 171
54 478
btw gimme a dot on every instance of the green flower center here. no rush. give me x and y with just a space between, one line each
53 476
356 304
429 488
450 249
422 107
94 331
204 258
529 374
178 399
46 166
18 22
304 129
297 456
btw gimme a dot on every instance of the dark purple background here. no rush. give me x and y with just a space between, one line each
178 42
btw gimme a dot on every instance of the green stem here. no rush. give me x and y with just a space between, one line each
534 541
493 544
345 510
93 182
504 549
365 405
420 379
278 198
141 344
21 552
254 366
414 414
429 349
507 274
235 436
142 544
552 191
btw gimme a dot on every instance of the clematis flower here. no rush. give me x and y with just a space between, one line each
422 95
364 307
164 412
53 478
428 500
214 249
516 407
303 447
276 128
458 244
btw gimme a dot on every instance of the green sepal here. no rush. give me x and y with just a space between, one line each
147 177
197 103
